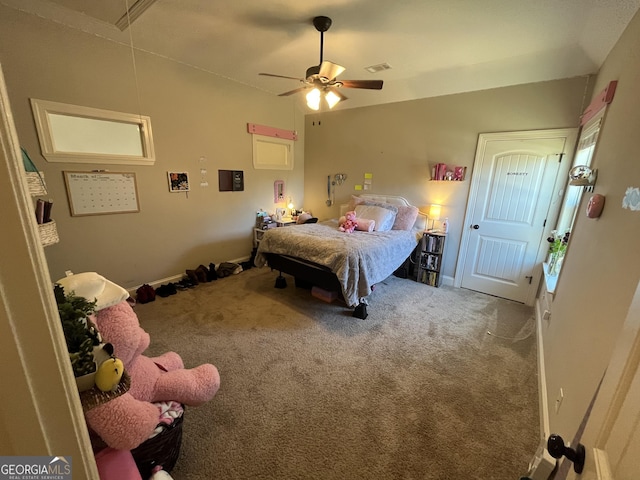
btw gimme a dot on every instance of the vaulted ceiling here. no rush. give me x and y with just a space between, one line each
434 47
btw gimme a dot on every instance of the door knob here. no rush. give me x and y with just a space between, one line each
557 448
475 227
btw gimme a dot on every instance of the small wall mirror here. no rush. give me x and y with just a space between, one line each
278 191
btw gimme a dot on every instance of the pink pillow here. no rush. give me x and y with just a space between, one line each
355 200
405 218
303 217
365 225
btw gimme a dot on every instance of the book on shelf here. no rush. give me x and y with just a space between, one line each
434 243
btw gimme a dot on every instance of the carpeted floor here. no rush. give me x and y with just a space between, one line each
418 390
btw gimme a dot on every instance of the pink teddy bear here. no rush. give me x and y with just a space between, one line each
128 420
348 223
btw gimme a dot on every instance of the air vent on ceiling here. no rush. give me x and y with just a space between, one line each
377 68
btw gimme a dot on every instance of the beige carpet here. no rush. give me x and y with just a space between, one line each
418 390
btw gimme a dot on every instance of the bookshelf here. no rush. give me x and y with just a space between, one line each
430 257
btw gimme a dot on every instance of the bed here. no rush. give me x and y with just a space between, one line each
320 255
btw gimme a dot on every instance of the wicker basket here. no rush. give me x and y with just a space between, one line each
94 397
162 450
35 181
48 233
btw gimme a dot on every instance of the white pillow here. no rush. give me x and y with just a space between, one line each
383 217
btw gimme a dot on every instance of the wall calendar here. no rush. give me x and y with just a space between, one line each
101 193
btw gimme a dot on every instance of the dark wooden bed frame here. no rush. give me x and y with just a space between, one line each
309 274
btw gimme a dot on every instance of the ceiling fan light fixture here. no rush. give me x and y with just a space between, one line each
313 99
322 78
331 98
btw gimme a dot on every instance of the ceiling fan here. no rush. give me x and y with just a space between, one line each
321 79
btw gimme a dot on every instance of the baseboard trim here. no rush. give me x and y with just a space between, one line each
542 378
447 280
175 278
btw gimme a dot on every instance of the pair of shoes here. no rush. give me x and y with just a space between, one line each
228 268
202 273
212 272
166 290
145 294
186 282
180 285
191 275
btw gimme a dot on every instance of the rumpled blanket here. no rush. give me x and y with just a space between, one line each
359 260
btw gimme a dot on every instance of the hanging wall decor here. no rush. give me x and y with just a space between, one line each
595 205
631 199
178 181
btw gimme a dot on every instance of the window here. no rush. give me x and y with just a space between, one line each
75 134
584 154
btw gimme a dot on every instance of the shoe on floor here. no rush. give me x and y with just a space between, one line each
202 273
166 290
212 272
162 291
192 276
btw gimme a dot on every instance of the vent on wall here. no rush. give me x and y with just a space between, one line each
378 68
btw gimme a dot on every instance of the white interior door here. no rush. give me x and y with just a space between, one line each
612 432
514 180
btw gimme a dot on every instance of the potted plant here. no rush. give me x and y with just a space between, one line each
80 334
557 248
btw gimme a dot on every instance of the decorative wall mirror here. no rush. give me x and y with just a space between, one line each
278 191
76 134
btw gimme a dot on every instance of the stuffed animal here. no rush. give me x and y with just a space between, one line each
349 223
129 419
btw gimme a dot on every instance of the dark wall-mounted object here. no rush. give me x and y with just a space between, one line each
231 180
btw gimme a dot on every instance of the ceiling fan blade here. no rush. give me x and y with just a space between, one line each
369 84
281 76
330 70
291 92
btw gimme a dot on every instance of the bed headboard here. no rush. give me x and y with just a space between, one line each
421 221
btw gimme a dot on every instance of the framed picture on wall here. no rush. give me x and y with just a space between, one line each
178 181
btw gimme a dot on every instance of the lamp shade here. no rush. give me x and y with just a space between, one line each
313 99
331 98
434 211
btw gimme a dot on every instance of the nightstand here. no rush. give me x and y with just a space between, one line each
257 236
